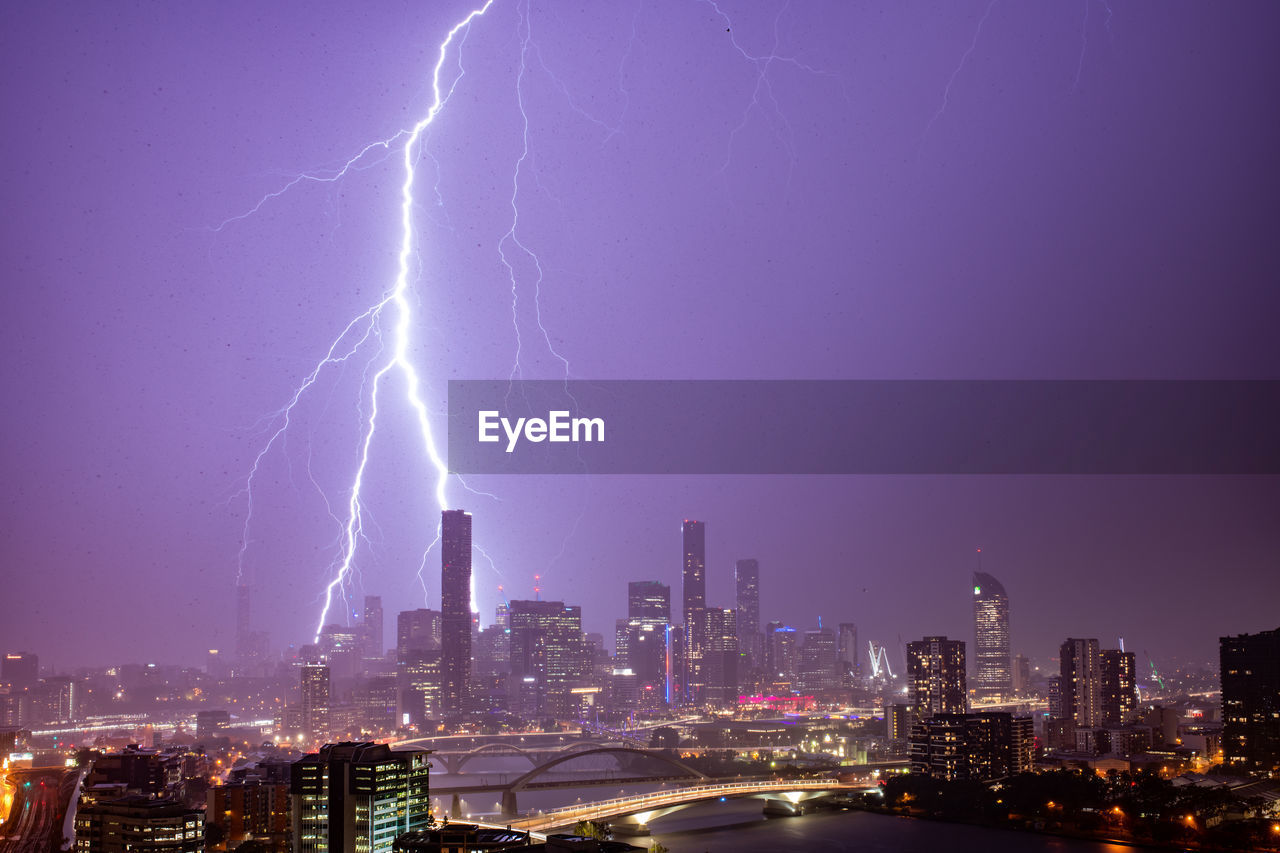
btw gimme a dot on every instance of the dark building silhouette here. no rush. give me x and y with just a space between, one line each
992 674
139 824
417 632
936 677
1080 666
1250 668
373 625
455 611
1119 689
21 670
720 657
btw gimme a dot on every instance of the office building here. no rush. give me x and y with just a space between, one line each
20 670
782 653
1250 667
548 659
250 809
417 631
358 797
936 677
746 575
816 672
649 600
992 675
315 699
720 657
455 611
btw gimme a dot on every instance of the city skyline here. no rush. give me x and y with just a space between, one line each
726 193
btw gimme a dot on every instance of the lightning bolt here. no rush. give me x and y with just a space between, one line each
392 316
964 58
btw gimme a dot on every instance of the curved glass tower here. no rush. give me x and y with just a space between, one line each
993 675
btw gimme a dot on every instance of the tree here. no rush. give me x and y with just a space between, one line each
592 829
658 847
664 737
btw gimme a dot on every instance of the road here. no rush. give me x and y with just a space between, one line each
40 800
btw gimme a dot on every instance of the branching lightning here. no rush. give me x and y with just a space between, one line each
392 316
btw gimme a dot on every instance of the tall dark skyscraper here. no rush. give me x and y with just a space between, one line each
694 594
1119 698
1250 666
720 657
694 577
936 677
747 577
374 641
417 631
455 610
992 675
847 653
1080 665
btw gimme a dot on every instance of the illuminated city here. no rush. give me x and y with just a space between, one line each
693 426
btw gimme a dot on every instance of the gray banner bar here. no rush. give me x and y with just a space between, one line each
864 427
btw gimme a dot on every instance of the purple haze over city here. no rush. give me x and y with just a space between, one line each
760 190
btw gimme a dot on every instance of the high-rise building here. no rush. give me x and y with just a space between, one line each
139 824
341 647
992 677
1119 696
315 699
455 611
649 600
747 580
694 598
357 797
548 658
847 654
1021 675
720 657
21 670
417 631
373 625
816 671
1081 671
252 809
936 677
782 653
647 659
1250 671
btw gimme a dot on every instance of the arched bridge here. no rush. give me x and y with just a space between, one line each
643 808
453 761
509 788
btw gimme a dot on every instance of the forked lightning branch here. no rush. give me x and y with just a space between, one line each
558 427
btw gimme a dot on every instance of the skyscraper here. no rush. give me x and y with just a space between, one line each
315 699
847 653
992 676
936 677
1119 696
358 797
1080 666
694 595
817 667
548 658
1250 667
455 610
720 657
649 600
747 579
417 631
374 642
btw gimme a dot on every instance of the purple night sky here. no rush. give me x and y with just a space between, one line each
906 190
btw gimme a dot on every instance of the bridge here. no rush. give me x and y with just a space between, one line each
644 808
509 788
454 760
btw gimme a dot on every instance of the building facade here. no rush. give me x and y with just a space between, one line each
1250 667
455 611
992 674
